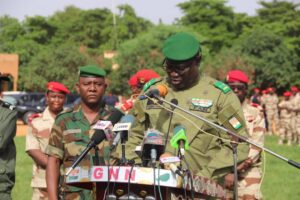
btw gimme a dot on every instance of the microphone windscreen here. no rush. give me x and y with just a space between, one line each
163 90
98 136
115 116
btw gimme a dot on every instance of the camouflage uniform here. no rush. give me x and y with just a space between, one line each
8 119
285 131
250 179
37 138
296 119
208 156
70 134
270 102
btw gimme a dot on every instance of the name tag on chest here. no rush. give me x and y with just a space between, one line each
201 105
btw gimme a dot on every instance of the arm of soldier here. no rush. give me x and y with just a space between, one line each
52 177
33 148
55 156
8 120
257 137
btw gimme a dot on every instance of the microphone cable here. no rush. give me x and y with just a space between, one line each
154 185
190 177
158 183
128 186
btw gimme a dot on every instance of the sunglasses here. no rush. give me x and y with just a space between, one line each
179 68
237 86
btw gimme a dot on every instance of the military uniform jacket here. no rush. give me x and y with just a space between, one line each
70 135
255 122
37 138
285 109
208 155
8 119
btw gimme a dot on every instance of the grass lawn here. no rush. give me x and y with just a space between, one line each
281 181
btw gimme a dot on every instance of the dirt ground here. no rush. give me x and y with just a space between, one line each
21 128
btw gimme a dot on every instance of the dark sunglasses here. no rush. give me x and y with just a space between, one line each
237 86
179 68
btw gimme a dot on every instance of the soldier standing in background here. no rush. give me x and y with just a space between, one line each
271 103
249 172
293 99
8 122
256 98
296 114
285 107
38 136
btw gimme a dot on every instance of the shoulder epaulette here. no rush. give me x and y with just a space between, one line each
33 116
222 86
151 82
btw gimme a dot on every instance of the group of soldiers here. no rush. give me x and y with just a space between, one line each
282 116
55 137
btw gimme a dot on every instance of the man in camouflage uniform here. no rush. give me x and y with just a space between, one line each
296 114
8 120
285 108
294 98
208 155
72 131
270 103
249 171
38 136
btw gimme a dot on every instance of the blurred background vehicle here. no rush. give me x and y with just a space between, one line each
28 103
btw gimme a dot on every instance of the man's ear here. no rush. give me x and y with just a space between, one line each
77 88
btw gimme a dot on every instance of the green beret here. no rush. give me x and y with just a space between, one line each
91 70
181 46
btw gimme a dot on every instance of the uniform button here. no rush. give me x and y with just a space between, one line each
2 170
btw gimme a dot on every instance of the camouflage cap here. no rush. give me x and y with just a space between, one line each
181 46
91 71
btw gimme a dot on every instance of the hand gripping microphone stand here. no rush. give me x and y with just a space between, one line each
233 134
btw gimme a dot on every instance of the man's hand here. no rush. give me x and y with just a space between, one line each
229 181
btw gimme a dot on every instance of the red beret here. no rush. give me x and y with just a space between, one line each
237 76
57 87
133 81
294 89
287 94
256 89
270 89
145 75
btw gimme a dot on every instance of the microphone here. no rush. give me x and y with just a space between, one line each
171 162
95 140
99 135
160 90
121 129
153 146
179 139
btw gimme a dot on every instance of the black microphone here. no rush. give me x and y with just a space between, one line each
121 129
98 136
153 146
95 140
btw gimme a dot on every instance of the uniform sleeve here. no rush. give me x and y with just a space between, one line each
31 139
257 136
8 120
56 146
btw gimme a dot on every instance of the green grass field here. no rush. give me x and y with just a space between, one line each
281 181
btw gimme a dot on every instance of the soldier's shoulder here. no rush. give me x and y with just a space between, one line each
255 108
219 85
34 118
65 114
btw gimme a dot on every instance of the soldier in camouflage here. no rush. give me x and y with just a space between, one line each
72 131
295 99
249 172
38 136
286 110
208 155
8 119
271 105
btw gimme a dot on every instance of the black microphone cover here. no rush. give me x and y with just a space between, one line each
115 116
174 101
98 137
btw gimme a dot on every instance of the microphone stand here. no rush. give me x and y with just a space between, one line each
240 137
234 137
124 138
